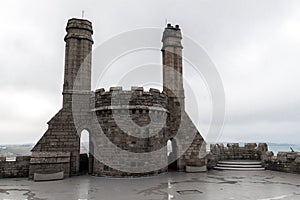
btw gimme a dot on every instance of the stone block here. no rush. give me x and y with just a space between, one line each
297 160
250 146
291 155
48 177
262 147
282 157
113 89
195 169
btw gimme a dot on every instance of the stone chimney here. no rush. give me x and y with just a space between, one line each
172 63
78 55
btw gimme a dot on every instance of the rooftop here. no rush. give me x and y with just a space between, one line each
216 185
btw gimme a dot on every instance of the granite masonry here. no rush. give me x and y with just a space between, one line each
138 124
135 121
283 162
14 168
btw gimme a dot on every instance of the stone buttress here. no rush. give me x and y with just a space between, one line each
59 148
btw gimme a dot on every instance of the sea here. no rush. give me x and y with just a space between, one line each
283 147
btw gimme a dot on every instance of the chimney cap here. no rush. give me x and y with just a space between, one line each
76 23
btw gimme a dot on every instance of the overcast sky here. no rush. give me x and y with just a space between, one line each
254 44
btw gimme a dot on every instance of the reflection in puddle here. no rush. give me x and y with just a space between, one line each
19 193
183 192
170 196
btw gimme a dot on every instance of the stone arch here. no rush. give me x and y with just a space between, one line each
85 151
172 154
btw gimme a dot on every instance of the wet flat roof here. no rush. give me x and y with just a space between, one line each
214 185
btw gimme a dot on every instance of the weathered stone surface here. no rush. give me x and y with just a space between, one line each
297 160
193 169
50 163
135 121
48 177
234 152
284 162
263 147
62 134
17 168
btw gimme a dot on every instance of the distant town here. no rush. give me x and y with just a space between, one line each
14 150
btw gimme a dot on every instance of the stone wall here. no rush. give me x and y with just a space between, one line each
250 151
191 145
61 136
14 169
50 162
133 121
284 161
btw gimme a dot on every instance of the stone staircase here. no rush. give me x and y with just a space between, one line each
240 165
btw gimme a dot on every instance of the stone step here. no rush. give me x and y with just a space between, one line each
240 162
241 166
240 169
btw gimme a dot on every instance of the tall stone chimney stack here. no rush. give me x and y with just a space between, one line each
172 77
172 63
77 75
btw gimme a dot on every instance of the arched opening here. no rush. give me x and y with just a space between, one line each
172 154
169 147
84 151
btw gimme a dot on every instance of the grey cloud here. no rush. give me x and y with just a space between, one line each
253 44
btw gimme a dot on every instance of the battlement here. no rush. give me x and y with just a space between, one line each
134 89
136 98
233 151
284 161
134 120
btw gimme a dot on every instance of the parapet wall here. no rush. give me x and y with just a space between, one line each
284 161
50 162
250 151
134 121
14 169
